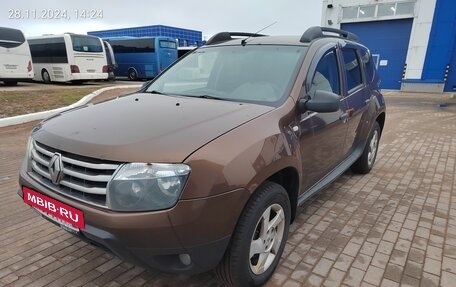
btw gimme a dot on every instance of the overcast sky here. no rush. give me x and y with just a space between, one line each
208 16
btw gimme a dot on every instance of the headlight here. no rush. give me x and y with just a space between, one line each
146 187
28 154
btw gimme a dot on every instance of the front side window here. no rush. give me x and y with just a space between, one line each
352 69
326 77
258 74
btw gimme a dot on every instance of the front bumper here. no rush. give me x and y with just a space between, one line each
200 228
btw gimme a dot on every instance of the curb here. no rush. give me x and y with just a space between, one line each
16 120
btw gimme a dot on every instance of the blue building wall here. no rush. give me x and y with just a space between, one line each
442 45
389 40
185 36
450 85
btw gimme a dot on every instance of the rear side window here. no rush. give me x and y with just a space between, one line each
326 76
48 50
368 64
352 69
144 45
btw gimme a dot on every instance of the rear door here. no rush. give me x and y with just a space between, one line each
322 150
356 91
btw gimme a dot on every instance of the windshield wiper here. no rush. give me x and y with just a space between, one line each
210 97
193 96
215 98
157 92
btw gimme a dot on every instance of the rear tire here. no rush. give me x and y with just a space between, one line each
259 238
132 74
367 160
45 76
10 83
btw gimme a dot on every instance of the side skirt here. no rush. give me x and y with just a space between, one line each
333 175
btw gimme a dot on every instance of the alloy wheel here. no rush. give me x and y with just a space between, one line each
267 239
373 145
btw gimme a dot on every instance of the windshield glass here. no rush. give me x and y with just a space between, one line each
167 44
11 38
89 44
259 74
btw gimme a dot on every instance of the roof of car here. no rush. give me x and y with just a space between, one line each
310 35
265 40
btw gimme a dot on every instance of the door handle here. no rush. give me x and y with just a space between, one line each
347 114
367 101
344 117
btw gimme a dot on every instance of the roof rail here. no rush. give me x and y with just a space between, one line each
317 32
226 36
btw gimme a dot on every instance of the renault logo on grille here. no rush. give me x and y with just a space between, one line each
56 168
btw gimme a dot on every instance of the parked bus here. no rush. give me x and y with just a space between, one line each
68 58
143 58
15 59
182 51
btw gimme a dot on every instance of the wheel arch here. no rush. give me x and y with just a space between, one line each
381 120
42 73
288 178
134 69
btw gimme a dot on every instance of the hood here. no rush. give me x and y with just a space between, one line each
144 127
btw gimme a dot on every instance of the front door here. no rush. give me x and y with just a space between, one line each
323 149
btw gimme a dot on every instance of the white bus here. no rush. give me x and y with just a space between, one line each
15 59
68 58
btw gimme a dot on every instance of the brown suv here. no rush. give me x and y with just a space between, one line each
205 165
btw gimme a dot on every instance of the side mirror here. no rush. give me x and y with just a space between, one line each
321 102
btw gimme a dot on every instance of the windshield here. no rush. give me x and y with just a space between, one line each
83 43
168 44
11 38
259 74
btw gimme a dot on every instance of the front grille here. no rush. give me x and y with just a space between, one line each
84 178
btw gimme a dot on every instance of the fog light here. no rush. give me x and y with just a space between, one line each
185 259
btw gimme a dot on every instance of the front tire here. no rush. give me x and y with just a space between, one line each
366 162
259 238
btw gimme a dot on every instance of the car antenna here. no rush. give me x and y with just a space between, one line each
244 41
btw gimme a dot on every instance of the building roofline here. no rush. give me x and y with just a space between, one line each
142 27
